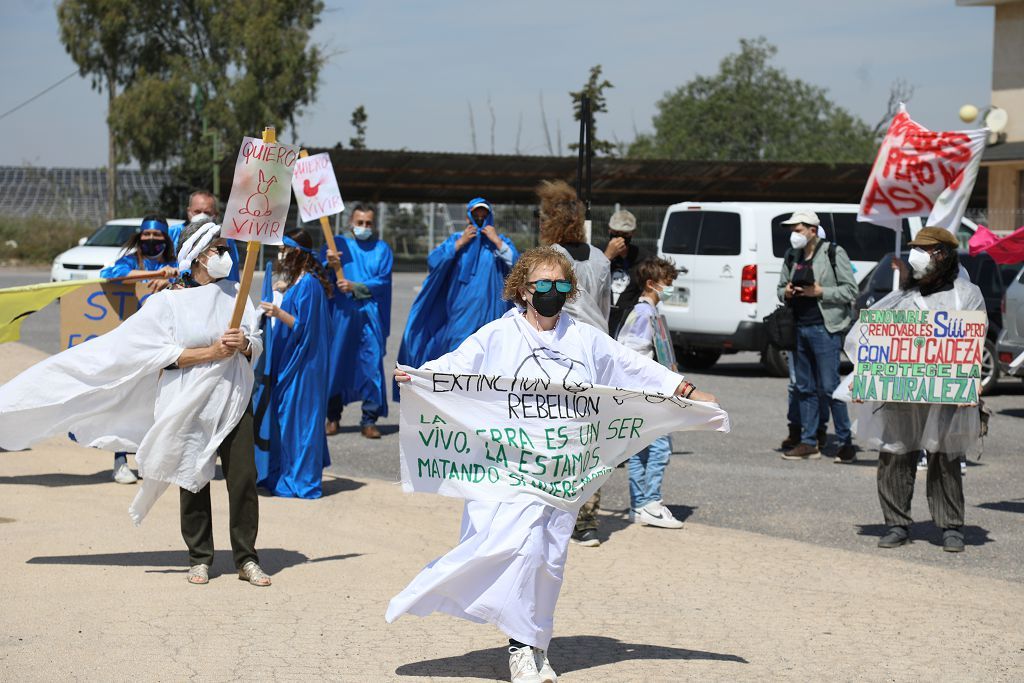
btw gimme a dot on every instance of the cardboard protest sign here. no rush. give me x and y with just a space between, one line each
919 172
260 192
915 356
496 438
316 188
95 309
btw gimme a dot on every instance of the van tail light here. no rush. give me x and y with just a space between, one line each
1005 357
748 285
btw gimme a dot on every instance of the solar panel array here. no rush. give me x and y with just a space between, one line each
74 193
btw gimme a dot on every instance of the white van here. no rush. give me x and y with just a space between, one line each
730 256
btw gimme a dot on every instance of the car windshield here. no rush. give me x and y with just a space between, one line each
111 235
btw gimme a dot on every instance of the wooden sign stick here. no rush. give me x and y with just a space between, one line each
252 252
325 225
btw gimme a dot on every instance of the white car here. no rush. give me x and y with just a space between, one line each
97 251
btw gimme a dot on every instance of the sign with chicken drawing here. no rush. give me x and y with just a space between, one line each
258 206
316 188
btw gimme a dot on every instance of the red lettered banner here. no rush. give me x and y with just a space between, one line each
920 172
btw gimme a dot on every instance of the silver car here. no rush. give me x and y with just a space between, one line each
1010 345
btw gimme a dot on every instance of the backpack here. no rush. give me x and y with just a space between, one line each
780 324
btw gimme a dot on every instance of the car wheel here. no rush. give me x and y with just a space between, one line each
697 359
989 368
775 361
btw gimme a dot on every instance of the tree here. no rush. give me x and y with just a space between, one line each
752 111
99 36
593 88
248 64
359 123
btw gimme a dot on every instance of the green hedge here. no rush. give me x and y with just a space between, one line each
37 240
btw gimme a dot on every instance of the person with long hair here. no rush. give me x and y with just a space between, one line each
508 566
561 227
148 252
901 430
291 449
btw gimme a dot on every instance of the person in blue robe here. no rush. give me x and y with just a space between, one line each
204 203
150 251
361 324
291 448
462 292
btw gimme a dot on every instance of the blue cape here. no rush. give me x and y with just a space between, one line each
461 294
293 420
360 327
128 263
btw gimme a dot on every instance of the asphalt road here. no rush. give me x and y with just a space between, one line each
738 480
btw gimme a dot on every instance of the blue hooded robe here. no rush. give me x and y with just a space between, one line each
129 262
461 294
291 445
360 324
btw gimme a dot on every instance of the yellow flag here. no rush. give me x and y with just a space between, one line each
17 303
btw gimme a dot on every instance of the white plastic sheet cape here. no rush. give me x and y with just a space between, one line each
906 427
112 392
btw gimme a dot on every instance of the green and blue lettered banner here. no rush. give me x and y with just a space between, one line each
498 438
914 356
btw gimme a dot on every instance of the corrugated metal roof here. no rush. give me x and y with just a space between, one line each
402 176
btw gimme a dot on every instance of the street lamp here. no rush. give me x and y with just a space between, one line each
994 118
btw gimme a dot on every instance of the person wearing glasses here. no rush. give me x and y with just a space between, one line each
360 323
292 450
508 566
462 292
561 227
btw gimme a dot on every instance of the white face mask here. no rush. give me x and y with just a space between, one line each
666 291
797 240
218 266
362 233
920 260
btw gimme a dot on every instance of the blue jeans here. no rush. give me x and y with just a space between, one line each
793 413
646 471
817 376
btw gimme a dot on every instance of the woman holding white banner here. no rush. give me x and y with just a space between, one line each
507 569
900 430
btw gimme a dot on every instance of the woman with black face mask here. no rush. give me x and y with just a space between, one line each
507 569
149 252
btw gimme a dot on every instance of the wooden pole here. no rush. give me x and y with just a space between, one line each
252 252
325 225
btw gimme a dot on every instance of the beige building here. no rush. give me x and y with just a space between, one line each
1005 158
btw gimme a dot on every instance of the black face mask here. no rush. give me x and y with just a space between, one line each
548 304
151 247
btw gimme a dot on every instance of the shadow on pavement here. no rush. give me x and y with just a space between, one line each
1012 412
927 531
1016 505
568 654
58 479
614 521
339 485
271 559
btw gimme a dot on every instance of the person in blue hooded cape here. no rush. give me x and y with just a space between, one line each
204 203
462 292
291 399
150 251
361 324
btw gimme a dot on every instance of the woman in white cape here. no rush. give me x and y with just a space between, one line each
169 383
507 569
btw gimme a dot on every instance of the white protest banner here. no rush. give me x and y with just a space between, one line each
919 172
494 438
918 356
260 192
316 188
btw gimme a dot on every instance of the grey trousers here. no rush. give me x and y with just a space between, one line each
945 488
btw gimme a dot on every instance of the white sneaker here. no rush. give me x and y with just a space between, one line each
656 514
523 666
963 465
124 475
547 674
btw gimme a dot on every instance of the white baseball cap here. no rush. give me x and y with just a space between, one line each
805 217
622 221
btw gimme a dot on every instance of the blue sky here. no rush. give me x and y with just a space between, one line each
418 66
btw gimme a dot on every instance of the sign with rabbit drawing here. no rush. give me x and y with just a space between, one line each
316 188
260 192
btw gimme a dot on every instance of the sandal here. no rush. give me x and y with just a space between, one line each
252 573
199 574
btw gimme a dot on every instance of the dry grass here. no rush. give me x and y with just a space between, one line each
37 240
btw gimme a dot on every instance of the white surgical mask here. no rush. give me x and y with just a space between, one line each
362 233
797 240
218 266
920 260
666 291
